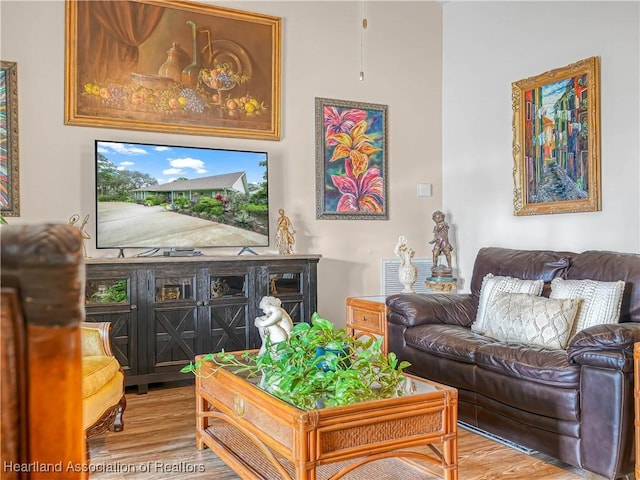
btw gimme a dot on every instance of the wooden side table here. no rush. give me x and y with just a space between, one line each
367 317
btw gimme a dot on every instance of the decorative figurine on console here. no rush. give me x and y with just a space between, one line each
441 276
219 287
73 219
407 272
285 235
275 323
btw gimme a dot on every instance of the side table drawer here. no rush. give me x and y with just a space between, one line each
367 319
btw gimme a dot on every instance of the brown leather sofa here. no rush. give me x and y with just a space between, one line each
576 404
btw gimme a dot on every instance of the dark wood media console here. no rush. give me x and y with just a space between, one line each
166 310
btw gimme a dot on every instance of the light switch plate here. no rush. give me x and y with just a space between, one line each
424 189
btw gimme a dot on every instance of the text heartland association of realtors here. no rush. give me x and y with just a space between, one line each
144 467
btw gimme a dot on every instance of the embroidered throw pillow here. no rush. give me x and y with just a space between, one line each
601 301
532 320
492 284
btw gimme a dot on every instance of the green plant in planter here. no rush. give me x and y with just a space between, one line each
115 293
317 366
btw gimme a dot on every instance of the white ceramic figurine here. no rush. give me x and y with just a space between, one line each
275 323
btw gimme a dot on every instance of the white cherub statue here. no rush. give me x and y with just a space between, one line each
275 323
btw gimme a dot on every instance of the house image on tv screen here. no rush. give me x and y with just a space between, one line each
196 188
213 211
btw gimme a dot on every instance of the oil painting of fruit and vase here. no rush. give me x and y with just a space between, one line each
185 66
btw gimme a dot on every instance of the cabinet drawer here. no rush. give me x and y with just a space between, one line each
367 319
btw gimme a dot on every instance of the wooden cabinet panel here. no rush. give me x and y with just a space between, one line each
172 338
229 328
123 336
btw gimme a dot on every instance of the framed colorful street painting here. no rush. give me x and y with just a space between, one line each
556 140
9 166
351 160
173 66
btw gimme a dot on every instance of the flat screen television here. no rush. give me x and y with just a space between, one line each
175 197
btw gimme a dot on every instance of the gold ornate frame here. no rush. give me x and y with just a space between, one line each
172 66
9 165
556 146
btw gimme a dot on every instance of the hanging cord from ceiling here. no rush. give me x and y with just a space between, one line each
363 24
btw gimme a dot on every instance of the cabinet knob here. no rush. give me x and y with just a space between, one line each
205 303
199 303
134 307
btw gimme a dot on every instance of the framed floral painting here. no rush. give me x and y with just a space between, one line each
173 66
351 160
556 140
9 178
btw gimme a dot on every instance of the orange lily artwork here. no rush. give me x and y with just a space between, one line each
351 165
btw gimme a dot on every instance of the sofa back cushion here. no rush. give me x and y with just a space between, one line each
611 267
491 286
523 264
600 301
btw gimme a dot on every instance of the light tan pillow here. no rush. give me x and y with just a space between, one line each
491 285
601 300
532 320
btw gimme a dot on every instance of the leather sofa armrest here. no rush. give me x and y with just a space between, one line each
411 309
606 346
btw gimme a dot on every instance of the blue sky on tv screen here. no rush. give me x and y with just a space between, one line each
166 163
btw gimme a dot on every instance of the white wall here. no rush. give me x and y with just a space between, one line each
486 47
321 58
449 123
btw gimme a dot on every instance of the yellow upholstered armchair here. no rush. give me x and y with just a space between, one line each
103 399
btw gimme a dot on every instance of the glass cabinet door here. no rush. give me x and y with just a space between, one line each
282 283
111 297
107 291
227 310
171 289
227 286
172 321
289 286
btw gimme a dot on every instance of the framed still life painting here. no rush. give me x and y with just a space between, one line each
351 160
9 178
556 140
172 66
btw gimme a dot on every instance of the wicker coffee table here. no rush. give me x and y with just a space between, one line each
262 437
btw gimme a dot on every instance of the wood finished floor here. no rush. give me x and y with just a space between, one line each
158 442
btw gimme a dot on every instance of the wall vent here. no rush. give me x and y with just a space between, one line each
390 283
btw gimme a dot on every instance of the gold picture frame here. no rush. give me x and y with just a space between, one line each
9 148
556 140
172 66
